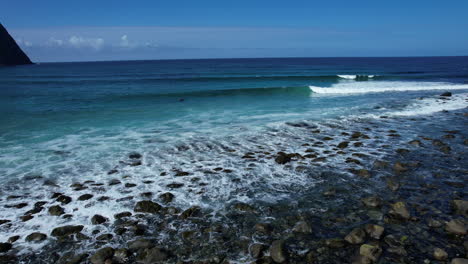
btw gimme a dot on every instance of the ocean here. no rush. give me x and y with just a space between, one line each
208 132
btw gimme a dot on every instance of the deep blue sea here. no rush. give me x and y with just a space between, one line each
66 122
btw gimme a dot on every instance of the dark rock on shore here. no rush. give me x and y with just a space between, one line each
56 210
98 219
4 247
447 94
147 207
282 158
166 197
102 255
66 230
85 197
36 237
152 255
277 251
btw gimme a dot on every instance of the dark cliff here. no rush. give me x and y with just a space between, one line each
10 52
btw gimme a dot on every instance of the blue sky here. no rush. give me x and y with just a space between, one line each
123 30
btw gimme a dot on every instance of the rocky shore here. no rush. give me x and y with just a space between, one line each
407 206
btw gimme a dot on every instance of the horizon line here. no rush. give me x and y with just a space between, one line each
245 58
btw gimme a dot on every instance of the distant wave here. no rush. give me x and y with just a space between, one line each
385 86
88 80
357 77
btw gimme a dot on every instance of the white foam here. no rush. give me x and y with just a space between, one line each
354 77
384 86
432 105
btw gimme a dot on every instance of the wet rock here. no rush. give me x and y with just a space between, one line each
114 171
5 247
372 201
152 255
114 182
13 239
335 243
181 173
374 231
36 237
85 197
256 250
194 211
264 228
399 167
130 185
440 254
4 221
456 227
64 199
461 207
362 173
415 143
102 255
378 164
103 198
139 244
372 252
459 261
175 185
66 230
356 236
282 158
167 197
277 251
244 207
25 218
400 211
104 237
446 94
98 219
121 255
56 210
17 206
343 145
302 227
393 184
122 215
134 155
434 223
147 207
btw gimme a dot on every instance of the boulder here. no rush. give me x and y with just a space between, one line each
102 255
446 94
85 197
459 261
456 227
277 251
372 201
356 236
98 219
302 227
4 247
56 210
282 158
374 231
256 250
152 255
167 197
66 230
147 207
440 254
36 237
461 207
372 252
400 211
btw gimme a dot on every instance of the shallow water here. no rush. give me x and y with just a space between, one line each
220 122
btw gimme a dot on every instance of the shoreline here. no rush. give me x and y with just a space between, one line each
404 200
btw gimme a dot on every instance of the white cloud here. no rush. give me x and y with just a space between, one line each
54 42
80 42
124 41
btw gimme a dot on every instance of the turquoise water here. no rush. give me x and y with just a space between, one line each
62 123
